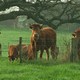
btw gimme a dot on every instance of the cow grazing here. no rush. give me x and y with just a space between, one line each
43 39
13 52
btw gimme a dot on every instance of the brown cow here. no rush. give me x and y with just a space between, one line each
76 34
43 39
13 52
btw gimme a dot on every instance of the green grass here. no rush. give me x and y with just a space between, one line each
36 69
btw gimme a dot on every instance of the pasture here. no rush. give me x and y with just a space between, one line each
59 69
39 70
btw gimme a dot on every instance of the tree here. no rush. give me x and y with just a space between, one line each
48 12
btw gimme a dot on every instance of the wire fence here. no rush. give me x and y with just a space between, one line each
64 48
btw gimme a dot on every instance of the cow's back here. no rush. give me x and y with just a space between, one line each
50 36
48 30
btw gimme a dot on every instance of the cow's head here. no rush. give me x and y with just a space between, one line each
11 58
36 29
76 33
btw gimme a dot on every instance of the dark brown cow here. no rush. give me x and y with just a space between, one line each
43 39
76 34
13 52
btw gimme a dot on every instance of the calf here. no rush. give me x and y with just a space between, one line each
14 50
43 39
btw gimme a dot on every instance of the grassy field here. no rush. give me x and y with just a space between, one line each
39 69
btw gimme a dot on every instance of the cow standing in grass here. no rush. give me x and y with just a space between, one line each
43 39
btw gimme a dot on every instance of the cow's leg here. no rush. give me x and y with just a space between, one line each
53 51
41 53
34 51
34 48
42 48
47 51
